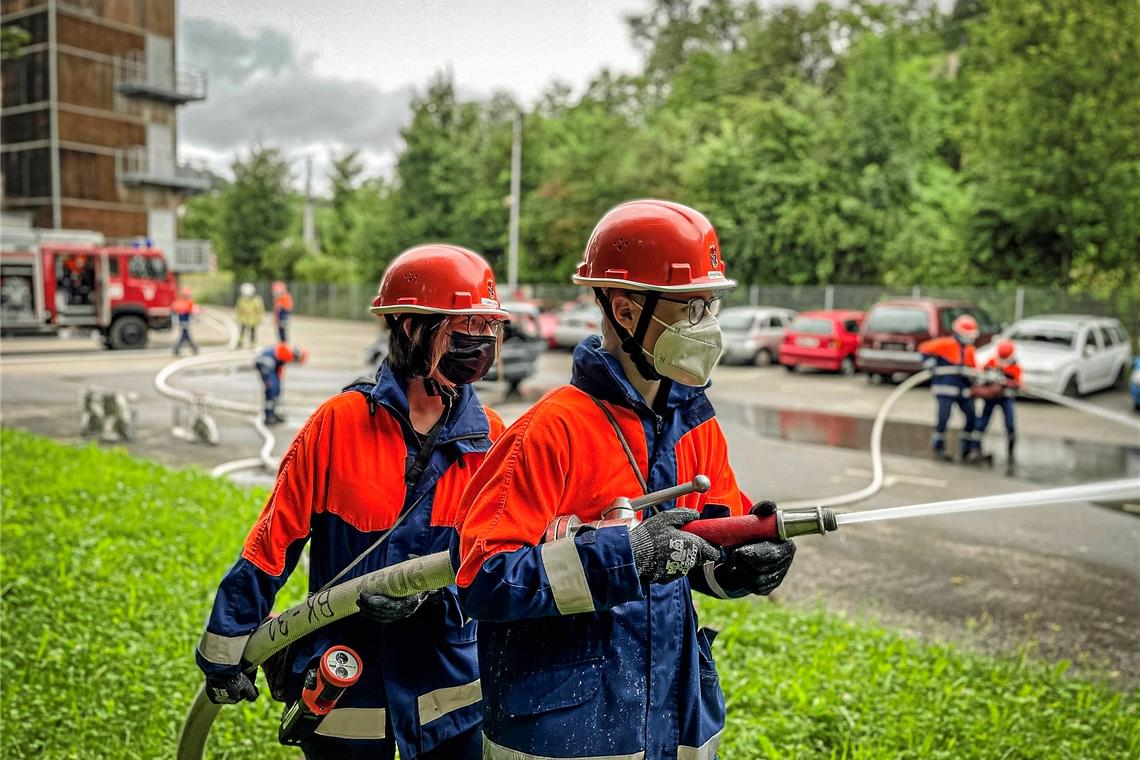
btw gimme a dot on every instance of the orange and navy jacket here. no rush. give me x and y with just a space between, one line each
282 307
1010 369
274 359
184 308
952 363
340 485
578 656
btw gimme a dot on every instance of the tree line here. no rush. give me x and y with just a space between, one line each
871 143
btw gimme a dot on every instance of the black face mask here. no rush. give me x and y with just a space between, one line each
469 357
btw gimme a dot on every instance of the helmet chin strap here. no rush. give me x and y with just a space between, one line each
631 344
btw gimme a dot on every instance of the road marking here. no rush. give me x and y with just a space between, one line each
892 479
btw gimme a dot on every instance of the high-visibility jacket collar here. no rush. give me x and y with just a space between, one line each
466 419
600 374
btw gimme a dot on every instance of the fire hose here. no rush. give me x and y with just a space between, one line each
435 571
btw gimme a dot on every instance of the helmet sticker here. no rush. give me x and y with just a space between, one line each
491 290
714 258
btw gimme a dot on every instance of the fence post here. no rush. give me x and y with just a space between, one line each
753 295
916 292
1019 304
828 298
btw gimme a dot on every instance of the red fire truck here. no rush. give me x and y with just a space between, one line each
48 282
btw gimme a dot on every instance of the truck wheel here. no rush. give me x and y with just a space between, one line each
127 332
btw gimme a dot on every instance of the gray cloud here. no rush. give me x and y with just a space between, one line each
263 88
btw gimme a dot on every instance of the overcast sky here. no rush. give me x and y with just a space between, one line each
312 76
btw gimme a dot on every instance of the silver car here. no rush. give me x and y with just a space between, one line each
752 334
577 324
1067 353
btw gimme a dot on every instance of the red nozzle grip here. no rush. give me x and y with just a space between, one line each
734 531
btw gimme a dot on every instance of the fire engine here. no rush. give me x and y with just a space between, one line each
52 279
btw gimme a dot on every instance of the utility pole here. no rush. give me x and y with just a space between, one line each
309 226
513 240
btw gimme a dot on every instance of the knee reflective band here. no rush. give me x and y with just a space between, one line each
404 579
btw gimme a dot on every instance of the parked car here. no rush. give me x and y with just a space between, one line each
522 345
752 334
1134 384
822 339
1069 353
576 324
892 331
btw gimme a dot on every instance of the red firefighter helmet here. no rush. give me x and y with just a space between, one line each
965 327
438 278
1004 349
296 354
185 292
653 245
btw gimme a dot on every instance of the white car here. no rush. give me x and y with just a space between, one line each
1067 353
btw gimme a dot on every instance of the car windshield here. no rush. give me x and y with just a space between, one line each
815 326
896 319
1040 335
735 321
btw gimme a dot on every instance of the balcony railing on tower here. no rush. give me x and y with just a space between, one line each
169 83
140 165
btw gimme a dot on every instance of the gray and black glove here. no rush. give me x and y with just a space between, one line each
230 689
761 567
380 608
663 552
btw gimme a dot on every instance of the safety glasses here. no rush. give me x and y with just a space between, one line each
478 324
698 307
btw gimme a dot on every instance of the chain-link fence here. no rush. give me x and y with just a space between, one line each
1003 304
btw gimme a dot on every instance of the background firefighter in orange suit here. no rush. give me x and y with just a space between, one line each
1002 368
373 478
590 646
951 359
270 365
282 310
184 310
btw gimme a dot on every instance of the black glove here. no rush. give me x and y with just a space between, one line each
380 608
229 690
761 567
663 552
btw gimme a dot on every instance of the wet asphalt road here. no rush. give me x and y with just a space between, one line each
1064 580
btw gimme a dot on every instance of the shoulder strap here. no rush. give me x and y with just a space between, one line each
624 444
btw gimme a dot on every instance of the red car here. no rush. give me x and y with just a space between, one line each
822 339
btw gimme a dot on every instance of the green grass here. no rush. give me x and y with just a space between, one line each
109 564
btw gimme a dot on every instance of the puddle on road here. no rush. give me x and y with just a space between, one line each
1041 459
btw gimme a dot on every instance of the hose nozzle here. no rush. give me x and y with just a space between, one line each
801 522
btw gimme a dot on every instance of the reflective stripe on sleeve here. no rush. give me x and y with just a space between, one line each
709 569
706 751
222 650
492 751
353 723
945 389
436 704
567 577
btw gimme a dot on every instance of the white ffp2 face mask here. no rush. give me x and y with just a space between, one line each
687 353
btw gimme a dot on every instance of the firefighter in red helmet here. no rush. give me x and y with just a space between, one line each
589 646
1002 369
372 479
951 359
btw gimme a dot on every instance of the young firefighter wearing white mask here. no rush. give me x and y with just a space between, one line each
589 646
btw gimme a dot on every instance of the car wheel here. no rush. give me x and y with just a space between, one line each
127 332
790 367
847 367
1071 389
763 358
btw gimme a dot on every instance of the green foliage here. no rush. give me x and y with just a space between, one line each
808 685
12 40
320 267
256 215
279 259
109 566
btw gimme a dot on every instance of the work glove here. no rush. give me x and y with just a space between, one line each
230 689
380 608
663 552
761 567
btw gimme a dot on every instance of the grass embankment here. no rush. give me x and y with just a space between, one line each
109 565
